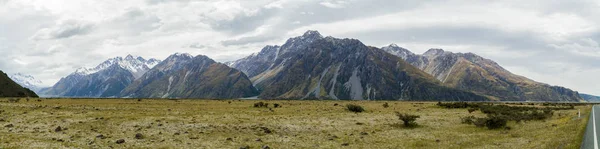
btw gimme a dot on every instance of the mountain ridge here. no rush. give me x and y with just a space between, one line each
315 67
107 79
472 72
191 77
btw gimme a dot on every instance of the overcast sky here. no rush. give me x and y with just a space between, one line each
551 41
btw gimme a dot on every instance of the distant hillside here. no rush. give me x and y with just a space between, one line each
590 98
471 72
186 76
107 79
8 88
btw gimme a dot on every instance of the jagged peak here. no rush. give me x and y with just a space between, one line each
271 46
187 55
434 51
312 33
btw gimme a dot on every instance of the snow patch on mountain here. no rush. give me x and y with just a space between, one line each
26 81
136 65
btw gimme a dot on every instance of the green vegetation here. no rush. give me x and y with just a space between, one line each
355 108
261 105
409 120
498 115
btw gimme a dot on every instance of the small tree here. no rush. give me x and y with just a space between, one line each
355 108
409 120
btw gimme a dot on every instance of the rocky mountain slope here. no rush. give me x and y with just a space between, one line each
590 98
471 72
27 81
315 67
256 63
9 88
185 76
105 80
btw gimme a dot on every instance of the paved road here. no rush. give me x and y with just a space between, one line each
590 140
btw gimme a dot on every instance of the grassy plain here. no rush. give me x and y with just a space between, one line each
99 123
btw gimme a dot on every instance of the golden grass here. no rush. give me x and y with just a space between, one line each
298 124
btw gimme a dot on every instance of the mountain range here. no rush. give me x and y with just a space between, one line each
185 76
27 81
105 80
312 67
9 88
468 71
315 67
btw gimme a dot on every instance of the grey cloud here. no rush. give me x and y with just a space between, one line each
197 46
248 40
72 30
64 29
154 2
314 12
134 21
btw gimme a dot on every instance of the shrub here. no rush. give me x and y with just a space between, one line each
355 108
276 105
471 110
14 99
261 105
480 122
495 122
409 120
468 120
386 105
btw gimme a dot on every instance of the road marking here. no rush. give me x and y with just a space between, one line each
594 123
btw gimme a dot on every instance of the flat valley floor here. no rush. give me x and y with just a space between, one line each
99 123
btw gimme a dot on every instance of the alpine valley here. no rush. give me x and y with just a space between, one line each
312 67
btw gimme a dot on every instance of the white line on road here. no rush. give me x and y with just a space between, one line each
594 123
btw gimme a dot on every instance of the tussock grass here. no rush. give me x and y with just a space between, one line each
236 123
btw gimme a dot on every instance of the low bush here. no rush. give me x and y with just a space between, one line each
498 115
480 122
468 120
408 119
14 100
355 108
495 122
261 105
386 105
471 110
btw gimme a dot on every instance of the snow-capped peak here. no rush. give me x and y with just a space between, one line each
27 81
312 33
182 55
136 65
398 51
434 52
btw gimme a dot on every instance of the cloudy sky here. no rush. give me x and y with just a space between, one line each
551 41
